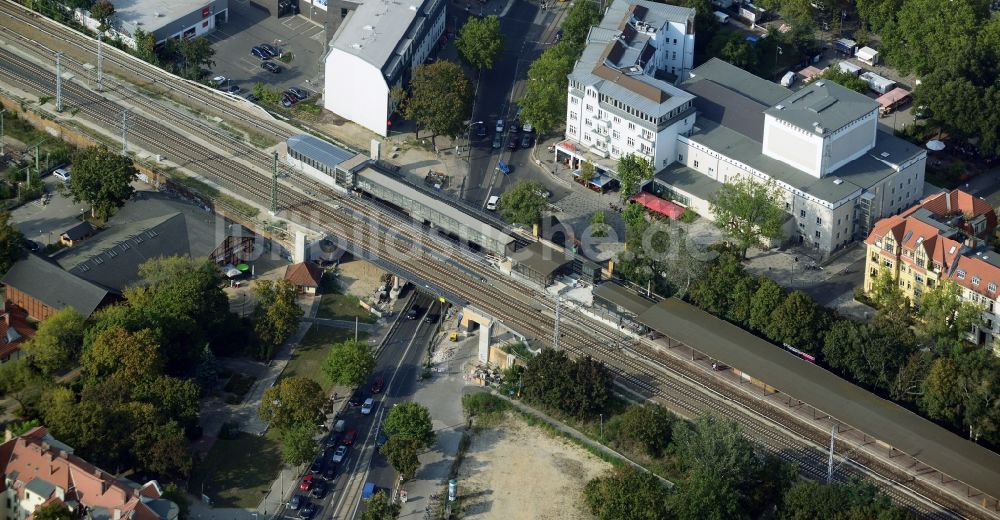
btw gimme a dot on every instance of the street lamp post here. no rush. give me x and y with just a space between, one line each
3 149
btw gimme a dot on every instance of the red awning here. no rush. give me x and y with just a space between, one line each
567 146
661 206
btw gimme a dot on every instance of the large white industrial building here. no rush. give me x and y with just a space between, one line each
820 145
376 48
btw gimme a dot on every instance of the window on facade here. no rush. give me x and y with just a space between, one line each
631 126
992 287
590 108
588 122
817 235
680 158
675 41
674 56
802 213
886 263
573 116
960 274
615 134
586 137
819 221
630 141
574 100
975 280
572 129
617 119
696 164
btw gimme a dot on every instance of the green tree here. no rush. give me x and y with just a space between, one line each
266 96
294 400
175 399
580 17
196 53
276 315
749 212
580 388
57 343
907 384
649 426
379 507
766 299
440 99
523 203
598 226
626 493
844 78
797 322
633 170
878 13
297 444
401 453
145 47
740 297
739 52
713 292
925 33
944 318
808 500
480 42
103 179
873 354
349 363
11 243
161 447
116 352
587 172
411 421
103 11
887 296
544 101
21 382
53 511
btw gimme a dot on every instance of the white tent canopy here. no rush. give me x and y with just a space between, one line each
867 55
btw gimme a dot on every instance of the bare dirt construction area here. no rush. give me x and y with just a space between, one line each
515 471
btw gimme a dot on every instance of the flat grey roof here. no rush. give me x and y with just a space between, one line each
861 173
435 204
318 149
152 15
376 28
689 181
823 103
728 75
541 258
42 488
885 420
623 297
51 285
729 107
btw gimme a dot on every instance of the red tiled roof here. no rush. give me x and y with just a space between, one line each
31 456
661 206
304 274
18 320
985 272
887 225
957 202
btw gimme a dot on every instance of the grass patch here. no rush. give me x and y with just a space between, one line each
688 216
238 472
335 305
286 57
195 185
307 358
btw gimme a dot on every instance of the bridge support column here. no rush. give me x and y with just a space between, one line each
485 333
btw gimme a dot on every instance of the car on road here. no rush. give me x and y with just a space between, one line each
528 128
356 399
544 193
500 126
295 502
330 473
250 97
307 511
378 385
526 140
259 53
366 409
481 130
271 67
318 490
317 466
351 435
491 204
61 174
270 49
307 482
413 313
332 440
381 438
431 318
338 456
297 93
369 490
497 140
31 245
512 142
218 81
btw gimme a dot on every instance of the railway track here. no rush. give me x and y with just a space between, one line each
639 366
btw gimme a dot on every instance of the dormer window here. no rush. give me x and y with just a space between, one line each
960 274
975 280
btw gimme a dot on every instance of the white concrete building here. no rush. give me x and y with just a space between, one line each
838 174
376 48
620 97
164 19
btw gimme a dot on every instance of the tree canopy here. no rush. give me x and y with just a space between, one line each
102 178
944 317
294 400
845 79
58 341
523 203
276 314
749 212
103 11
633 170
349 363
441 98
480 42
401 454
811 500
411 420
379 507
297 444
626 493
581 388
53 511
11 243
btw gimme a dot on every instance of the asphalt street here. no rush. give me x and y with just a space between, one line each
528 31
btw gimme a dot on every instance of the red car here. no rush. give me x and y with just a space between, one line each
307 483
349 437
378 385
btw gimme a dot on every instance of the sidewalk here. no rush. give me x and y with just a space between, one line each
341 324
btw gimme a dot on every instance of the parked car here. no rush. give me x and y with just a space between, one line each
500 126
338 456
481 130
32 246
497 140
271 67
413 313
512 142
295 502
307 482
526 140
491 204
307 511
232 89
366 409
431 318
528 128
250 97
350 436
318 490
270 49
381 438
62 174
257 52
316 466
378 385
330 473
356 399
287 101
559 35
218 81
297 93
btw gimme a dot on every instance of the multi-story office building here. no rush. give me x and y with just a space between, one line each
376 48
942 238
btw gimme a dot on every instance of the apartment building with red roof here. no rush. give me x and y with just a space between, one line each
36 470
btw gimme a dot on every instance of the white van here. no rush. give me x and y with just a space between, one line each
491 204
61 174
723 17
788 79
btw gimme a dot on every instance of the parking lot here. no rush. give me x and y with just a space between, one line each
43 223
249 26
